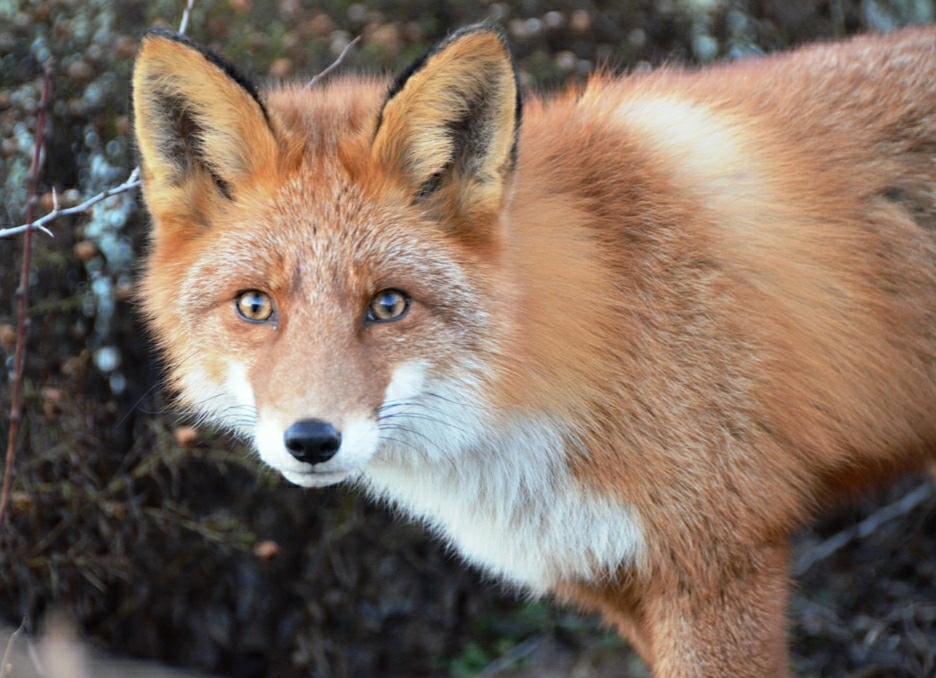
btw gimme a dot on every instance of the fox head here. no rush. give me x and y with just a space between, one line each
323 270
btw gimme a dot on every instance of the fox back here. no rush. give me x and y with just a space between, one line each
614 344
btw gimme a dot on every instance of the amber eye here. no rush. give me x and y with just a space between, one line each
388 305
254 306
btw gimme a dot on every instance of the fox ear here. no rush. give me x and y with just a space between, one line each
201 129
449 126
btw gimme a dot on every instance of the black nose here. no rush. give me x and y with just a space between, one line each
312 440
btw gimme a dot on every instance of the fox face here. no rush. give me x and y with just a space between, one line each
321 364
327 276
310 277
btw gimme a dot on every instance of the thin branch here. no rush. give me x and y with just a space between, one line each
514 655
887 513
16 230
22 293
133 181
9 648
185 16
34 656
334 64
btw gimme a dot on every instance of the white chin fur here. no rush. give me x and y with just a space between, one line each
315 479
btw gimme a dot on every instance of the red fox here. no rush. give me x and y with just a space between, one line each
615 346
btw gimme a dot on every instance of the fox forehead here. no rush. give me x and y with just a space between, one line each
325 234
339 113
327 205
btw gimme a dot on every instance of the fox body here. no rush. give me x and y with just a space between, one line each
616 346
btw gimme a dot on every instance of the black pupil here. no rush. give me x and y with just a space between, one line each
254 304
389 305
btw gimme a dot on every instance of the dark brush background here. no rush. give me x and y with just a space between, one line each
164 542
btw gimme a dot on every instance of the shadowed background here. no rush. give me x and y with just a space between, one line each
161 541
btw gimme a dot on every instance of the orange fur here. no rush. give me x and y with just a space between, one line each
701 303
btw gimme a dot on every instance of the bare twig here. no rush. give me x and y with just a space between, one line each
9 648
185 16
334 64
34 656
22 293
898 508
16 230
133 181
511 657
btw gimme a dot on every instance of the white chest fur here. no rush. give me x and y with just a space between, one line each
509 504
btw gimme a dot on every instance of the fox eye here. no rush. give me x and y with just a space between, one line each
254 306
388 305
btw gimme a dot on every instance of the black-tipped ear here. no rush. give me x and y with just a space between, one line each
450 122
199 125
